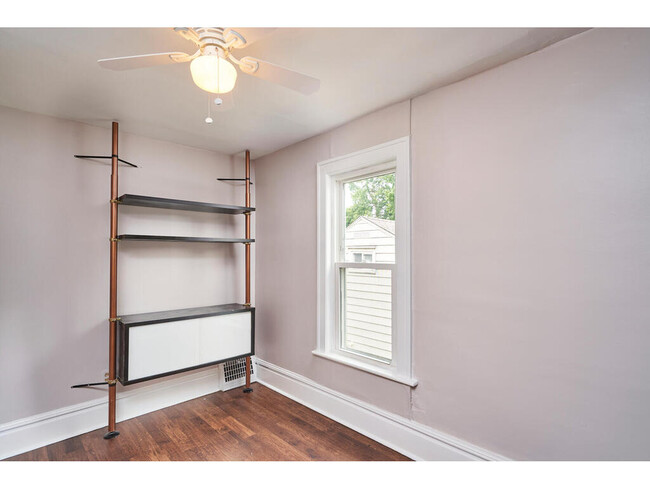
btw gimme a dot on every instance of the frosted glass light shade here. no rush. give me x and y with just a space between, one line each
213 74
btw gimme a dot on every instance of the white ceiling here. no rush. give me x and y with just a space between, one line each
54 72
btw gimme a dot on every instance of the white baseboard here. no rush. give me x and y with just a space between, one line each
41 430
410 438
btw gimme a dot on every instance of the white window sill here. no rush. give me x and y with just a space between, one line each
369 368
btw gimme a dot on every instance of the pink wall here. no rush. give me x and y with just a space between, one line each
530 197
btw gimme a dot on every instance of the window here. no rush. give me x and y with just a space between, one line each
358 255
364 304
362 257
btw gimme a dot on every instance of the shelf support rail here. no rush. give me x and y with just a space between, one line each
248 388
112 322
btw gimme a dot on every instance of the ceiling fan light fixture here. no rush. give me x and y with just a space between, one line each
211 65
213 74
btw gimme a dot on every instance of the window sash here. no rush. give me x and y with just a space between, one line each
385 168
339 325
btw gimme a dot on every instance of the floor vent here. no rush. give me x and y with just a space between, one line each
234 373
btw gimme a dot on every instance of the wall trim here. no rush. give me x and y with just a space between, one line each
40 430
410 438
406 436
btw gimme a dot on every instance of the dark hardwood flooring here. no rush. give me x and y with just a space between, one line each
224 426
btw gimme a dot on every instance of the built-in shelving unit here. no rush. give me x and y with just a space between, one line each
150 345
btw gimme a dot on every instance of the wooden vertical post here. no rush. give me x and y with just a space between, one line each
112 323
248 388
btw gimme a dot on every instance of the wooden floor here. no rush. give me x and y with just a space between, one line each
225 426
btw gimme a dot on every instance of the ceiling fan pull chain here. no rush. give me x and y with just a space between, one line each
218 76
208 119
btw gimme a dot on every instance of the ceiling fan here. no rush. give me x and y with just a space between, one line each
212 64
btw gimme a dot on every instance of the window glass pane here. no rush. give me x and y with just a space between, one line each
357 257
370 219
366 308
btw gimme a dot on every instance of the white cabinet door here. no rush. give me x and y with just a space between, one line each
160 348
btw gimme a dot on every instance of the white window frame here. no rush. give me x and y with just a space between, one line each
393 156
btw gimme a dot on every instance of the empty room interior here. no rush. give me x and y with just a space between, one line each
324 244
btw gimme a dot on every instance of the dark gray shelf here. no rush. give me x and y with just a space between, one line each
135 237
168 203
182 314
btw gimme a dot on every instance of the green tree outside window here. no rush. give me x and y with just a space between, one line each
372 197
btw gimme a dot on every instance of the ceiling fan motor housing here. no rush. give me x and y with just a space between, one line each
210 38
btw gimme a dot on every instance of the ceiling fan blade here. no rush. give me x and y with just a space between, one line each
144 61
282 76
250 34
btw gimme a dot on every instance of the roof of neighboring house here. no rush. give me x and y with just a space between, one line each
387 225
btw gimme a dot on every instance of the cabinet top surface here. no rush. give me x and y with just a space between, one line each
183 314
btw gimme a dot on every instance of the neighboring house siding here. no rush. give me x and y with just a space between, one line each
368 292
363 234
